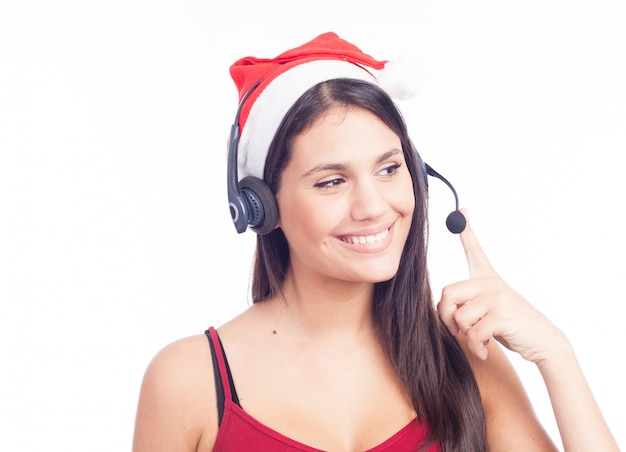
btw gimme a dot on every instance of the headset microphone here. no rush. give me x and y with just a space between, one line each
456 221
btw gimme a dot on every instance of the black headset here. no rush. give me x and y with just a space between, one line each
253 204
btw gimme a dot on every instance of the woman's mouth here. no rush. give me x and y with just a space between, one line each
366 239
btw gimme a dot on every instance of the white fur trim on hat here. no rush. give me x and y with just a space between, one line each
400 77
272 105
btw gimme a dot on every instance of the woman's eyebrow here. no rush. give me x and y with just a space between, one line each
326 167
388 154
342 166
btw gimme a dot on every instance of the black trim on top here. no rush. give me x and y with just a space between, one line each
219 385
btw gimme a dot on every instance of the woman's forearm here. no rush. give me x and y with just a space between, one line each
581 424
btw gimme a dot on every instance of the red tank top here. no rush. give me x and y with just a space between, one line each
238 431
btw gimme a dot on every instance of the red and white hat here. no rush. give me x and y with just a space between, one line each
285 78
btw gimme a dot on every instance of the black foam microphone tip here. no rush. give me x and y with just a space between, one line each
456 222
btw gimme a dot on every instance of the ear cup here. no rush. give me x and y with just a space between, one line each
261 203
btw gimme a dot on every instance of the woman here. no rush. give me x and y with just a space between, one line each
343 348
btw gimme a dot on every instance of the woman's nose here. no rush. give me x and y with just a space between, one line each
367 200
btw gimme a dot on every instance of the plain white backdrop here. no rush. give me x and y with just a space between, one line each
115 236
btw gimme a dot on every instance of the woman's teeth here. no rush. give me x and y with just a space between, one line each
365 239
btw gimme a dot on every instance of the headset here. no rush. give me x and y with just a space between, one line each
253 204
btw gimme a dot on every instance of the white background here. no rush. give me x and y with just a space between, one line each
115 237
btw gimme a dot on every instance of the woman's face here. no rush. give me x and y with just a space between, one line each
346 198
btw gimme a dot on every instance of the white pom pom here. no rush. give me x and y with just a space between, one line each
400 78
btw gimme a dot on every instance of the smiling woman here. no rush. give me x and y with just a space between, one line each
344 348
349 165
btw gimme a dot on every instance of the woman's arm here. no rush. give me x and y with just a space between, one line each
577 414
177 406
485 307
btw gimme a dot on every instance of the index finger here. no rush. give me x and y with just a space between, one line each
477 260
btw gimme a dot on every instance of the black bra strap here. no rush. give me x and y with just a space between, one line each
219 385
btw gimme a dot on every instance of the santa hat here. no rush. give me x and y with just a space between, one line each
285 78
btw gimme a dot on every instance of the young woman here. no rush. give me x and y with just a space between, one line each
344 348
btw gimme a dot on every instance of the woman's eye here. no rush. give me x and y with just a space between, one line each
390 170
329 183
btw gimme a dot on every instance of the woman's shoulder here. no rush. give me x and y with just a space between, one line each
176 362
177 404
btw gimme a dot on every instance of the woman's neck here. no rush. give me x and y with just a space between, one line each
327 308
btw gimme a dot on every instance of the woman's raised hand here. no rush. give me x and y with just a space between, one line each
485 307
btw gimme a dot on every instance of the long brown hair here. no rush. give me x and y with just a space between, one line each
427 358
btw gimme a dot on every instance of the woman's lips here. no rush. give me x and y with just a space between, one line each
365 239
